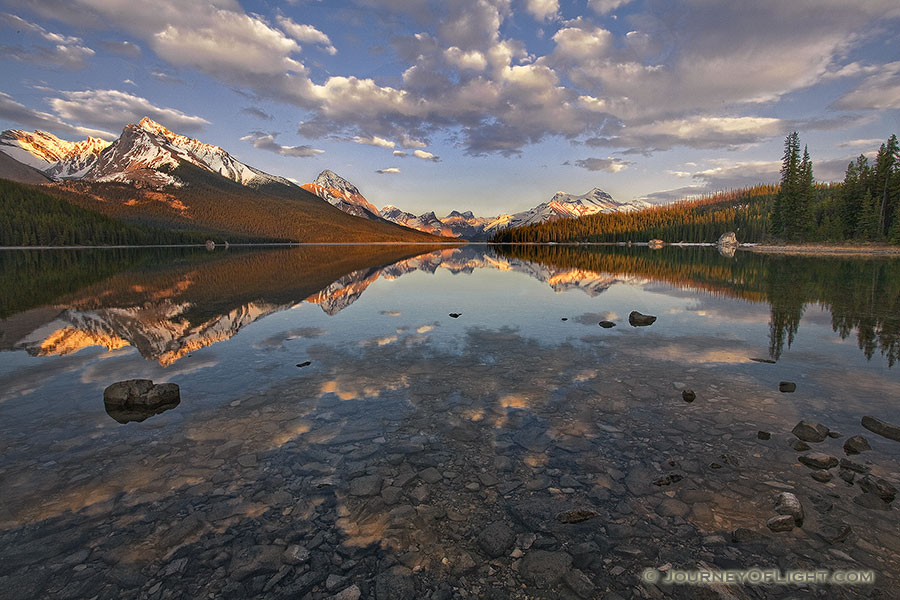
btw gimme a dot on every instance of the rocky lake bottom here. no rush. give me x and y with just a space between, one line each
532 456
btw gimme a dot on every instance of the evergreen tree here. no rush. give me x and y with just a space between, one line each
787 202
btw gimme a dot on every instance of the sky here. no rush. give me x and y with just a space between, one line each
483 105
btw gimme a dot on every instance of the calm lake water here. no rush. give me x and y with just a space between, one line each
516 450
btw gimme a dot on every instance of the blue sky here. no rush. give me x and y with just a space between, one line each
483 105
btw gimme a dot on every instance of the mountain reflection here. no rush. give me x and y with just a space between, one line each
167 303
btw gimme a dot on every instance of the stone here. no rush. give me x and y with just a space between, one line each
787 387
879 487
668 479
821 476
496 539
395 584
833 532
800 446
139 399
455 315
543 568
872 501
606 324
430 475
391 494
579 583
577 515
368 485
742 534
636 319
672 507
856 444
882 428
351 593
780 523
305 363
655 244
126 393
727 240
809 431
295 555
850 465
255 560
787 503
688 396
763 435
818 460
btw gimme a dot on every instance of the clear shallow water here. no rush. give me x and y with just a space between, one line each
508 393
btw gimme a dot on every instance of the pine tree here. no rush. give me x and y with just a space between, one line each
786 204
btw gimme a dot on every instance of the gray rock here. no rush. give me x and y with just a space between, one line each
126 393
882 428
368 485
872 501
606 324
636 319
295 555
787 387
162 393
255 560
800 446
763 435
496 539
543 568
576 515
579 583
395 584
821 476
809 431
833 532
856 444
430 475
879 487
672 507
819 460
787 503
742 534
780 523
728 240
850 465
351 593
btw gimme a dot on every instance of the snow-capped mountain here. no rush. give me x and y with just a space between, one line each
342 194
467 226
56 158
143 151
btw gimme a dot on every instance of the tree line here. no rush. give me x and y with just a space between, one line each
864 207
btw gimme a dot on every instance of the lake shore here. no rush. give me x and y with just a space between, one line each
826 249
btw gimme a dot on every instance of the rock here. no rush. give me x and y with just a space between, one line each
139 399
672 507
668 479
395 584
763 435
579 583
430 475
351 593
636 319
123 394
728 240
576 516
688 395
656 244
767 361
780 523
606 324
818 460
848 464
879 487
368 485
544 568
834 434
255 560
892 432
856 444
834 532
295 555
455 315
496 539
800 446
821 476
334 582
742 534
161 394
847 475
304 364
872 501
787 503
809 431
564 319
787 387
391 494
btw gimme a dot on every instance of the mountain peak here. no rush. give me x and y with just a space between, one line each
342 194
148 124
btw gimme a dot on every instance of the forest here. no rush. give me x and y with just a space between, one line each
864 207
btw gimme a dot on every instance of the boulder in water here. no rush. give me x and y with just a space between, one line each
636 319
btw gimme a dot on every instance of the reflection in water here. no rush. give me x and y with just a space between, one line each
137 414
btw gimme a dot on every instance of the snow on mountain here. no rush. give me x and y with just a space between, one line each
342 194
56 158
145 148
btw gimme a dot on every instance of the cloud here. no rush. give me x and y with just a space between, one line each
257 112
306 34
266 141
542 10
602 7
426 155
611 165
400 154
374 141
64 52
113 109
13 111
878 91
124 48
388 171
166 77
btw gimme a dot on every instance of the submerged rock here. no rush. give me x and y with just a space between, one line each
818 460
787 387
780 523
577 515
636 319
879 487
139 399
882 428
496 539
856 444
455 315
809 431
688 395
606 324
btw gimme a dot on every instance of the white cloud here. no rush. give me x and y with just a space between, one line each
374 141
878 91
13 111
266 141
400 153
868 142
63 51
388 171
113 109
473 59
542 9
306 34
425 155
694 132
610 165
602 7
124 48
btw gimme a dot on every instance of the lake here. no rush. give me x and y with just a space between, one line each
444 422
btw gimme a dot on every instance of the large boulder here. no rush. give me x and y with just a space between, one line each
138 399
656 244
892 432
636 319
728 240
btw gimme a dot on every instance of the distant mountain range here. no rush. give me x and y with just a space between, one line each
152 176
465 225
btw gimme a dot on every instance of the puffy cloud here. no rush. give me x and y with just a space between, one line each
602 7
113 108
13 111
388 171
878 91
610 165
266 141
425 155
374 140
63 51
400 154
473 59
306 34
542 9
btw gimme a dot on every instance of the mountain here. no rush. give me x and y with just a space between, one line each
56 158
466 225
14 170
152 176
342 194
